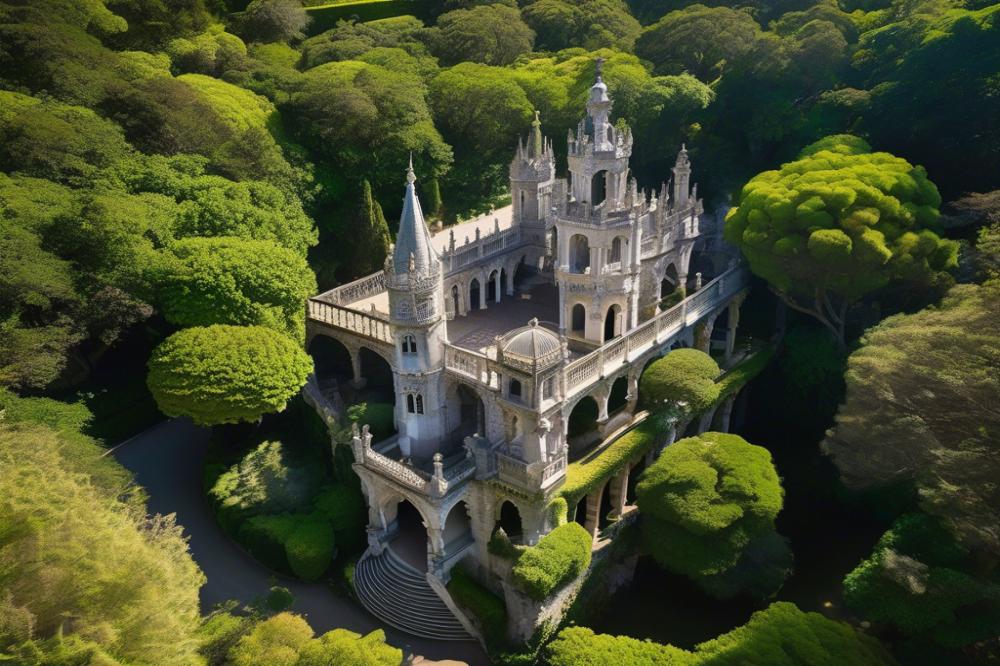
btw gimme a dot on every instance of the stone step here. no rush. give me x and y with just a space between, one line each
400 595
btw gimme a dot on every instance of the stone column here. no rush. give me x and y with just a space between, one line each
618 487
484 291
496 282
706 420
358 381
435 546
726 413
562 309
703 335
602 397
633 392
594 511
510 280
733 322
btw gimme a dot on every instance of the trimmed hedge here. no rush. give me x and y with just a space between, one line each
581 645
344 507
561 555
310 548
488 608
325 17
558 511
585 475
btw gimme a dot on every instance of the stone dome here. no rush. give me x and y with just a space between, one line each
530 345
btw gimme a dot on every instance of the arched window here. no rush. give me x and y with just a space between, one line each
579 318
616 250
409 403
579 260
547 388
515 389
420 404
409 344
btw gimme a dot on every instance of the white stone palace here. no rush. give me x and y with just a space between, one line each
495 332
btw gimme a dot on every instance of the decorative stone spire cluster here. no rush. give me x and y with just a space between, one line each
534 160
413 251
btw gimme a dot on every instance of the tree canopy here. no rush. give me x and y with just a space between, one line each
921 408
839 223
227 280
705 500
226 374
70 549
493 34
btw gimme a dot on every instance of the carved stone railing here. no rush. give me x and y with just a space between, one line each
434 485
470 365
368 325
530 477
583 372
352 292
460 257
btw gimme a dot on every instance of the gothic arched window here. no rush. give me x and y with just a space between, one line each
515 389
420 404
409 344
409 403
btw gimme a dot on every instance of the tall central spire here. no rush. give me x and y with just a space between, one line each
413 250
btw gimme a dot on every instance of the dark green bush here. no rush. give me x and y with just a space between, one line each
219 633
488 608
344 507
310 548
561 555
265 536
278 599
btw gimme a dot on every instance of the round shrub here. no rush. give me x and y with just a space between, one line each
226 374
310 548
682 376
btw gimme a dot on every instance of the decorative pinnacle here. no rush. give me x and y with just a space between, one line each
410 176
599 61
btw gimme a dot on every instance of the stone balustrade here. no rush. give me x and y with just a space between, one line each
352 292
470 365
529 477
457 257
368 324
583 372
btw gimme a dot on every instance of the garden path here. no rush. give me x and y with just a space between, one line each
167 461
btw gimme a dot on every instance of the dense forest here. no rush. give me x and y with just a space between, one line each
177 177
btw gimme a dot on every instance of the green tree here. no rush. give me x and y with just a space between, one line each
837 224
705 502
591 24
921 408
491 34
226 280
919 581
226 374
71 549
699 40
274 20
370 239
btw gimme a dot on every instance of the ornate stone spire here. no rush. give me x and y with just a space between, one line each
536 146
413 250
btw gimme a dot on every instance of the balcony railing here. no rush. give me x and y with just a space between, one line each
364 324
530 477
583 372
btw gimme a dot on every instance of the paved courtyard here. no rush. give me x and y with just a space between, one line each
478 329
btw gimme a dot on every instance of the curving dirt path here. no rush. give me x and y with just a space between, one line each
167 462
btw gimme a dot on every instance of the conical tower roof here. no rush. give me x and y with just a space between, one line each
413 242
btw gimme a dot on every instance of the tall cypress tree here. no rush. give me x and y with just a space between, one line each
370 236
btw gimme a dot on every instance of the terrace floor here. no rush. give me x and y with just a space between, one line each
478 329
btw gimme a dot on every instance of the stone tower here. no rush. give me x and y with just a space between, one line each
532 175
682 178
598 230
414 279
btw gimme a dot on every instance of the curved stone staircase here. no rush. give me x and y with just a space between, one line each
400 595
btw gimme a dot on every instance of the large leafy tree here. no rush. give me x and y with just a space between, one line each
837 224
287 640
921 408
591 24
226 280
708 505
79 562
493 34
920 582
370 236
681 384
699 40
226 374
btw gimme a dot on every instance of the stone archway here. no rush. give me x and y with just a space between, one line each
618 397
613 322
599 188
456 300
410 534
377 373
582 426
579 254
331 359
509 519
492 293
457 532
578 319
475 295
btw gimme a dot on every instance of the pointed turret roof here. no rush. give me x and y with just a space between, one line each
413 250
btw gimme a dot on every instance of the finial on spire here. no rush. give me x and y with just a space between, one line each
599 62
537 146
410 176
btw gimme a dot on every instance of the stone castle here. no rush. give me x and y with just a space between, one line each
498 336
